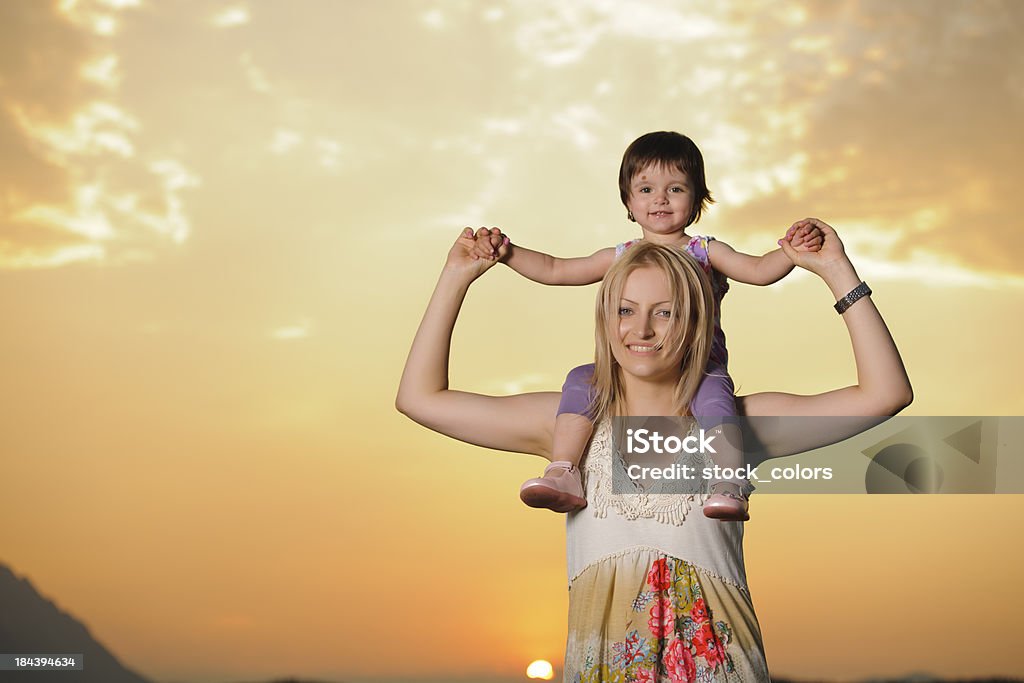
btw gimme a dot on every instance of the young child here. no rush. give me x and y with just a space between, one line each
661 183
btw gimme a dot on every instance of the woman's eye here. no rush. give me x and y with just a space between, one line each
625 311
664 313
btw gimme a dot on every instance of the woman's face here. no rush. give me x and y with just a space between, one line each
644 323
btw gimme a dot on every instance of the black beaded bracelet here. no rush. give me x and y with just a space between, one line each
856 293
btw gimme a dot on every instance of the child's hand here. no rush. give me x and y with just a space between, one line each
488 243
830 255
805 236
462 257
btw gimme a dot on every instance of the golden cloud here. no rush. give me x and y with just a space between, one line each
79 184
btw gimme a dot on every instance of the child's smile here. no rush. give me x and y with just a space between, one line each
661 200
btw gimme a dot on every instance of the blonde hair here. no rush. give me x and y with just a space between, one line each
691 332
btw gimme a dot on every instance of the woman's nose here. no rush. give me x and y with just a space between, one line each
643 327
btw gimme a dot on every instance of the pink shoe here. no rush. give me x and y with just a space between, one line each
559 490
726 506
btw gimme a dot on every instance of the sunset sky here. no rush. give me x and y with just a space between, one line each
220 223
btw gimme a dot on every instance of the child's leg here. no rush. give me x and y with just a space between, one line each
714 405
561 488
572 434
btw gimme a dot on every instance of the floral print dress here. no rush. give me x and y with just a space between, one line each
647 618
641 614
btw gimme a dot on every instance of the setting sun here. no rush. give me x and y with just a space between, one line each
540 669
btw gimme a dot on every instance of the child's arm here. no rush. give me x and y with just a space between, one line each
551 270
762 270
753 270
544 268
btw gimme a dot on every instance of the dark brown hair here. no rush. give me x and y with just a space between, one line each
668 149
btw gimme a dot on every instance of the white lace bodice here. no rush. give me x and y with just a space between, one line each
670 522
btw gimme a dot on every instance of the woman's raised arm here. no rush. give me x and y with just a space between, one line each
521 423
882 389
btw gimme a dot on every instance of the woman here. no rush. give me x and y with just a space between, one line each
655 594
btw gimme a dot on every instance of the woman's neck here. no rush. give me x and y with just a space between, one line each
649 397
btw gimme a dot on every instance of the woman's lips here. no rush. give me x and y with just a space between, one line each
642 349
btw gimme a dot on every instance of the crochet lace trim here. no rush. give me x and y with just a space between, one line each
667 508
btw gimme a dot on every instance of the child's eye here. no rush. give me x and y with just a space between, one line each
644 190
679 189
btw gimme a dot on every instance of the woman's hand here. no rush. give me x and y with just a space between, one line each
463 257
830 263
815 261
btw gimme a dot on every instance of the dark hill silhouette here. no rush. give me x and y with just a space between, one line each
31 624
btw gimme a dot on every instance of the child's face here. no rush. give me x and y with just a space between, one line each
661 200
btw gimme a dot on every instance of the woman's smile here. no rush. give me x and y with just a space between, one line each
643 349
